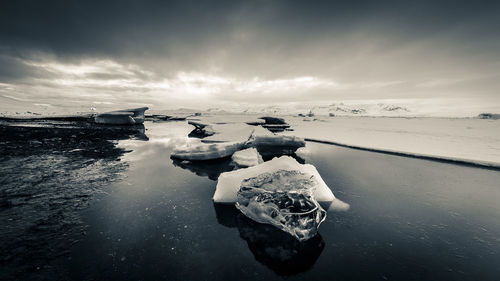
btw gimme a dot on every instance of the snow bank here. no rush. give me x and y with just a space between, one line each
229 182
463 140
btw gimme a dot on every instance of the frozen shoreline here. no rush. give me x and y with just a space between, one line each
466 141
462 140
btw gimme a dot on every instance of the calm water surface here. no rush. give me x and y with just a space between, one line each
410 219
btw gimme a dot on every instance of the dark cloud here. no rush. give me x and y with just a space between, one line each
199 28
14 69
350 42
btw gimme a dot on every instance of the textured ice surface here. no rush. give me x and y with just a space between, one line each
229 183
283 199
247 158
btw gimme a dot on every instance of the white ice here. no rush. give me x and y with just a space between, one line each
302 152
229 182
459 139
247 158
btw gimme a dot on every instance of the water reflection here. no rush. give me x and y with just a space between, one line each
209 168
49 174
277 250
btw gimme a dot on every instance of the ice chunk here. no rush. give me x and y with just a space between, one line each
275 124
302 152
229 182
283 199
276 140
138 113
204 151
122 117
200 129
338 206
247 158
276 127
275 144
273 120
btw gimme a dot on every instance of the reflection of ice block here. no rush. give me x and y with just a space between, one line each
202 151
229 183
270 246
277 250
210 168
283 199
247 158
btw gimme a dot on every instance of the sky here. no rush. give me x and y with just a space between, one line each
199 54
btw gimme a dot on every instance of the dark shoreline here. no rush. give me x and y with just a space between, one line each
51 170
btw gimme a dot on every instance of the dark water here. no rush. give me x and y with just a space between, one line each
410 219
48 174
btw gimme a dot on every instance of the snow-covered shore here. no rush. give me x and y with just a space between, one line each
463 140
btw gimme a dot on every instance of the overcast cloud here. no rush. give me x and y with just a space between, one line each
201 53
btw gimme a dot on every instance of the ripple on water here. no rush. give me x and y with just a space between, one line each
47 176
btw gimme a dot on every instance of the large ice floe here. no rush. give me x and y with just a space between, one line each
247 158
280 192
206 151
230 182
283 199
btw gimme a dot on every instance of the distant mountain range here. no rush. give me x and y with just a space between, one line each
336 109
